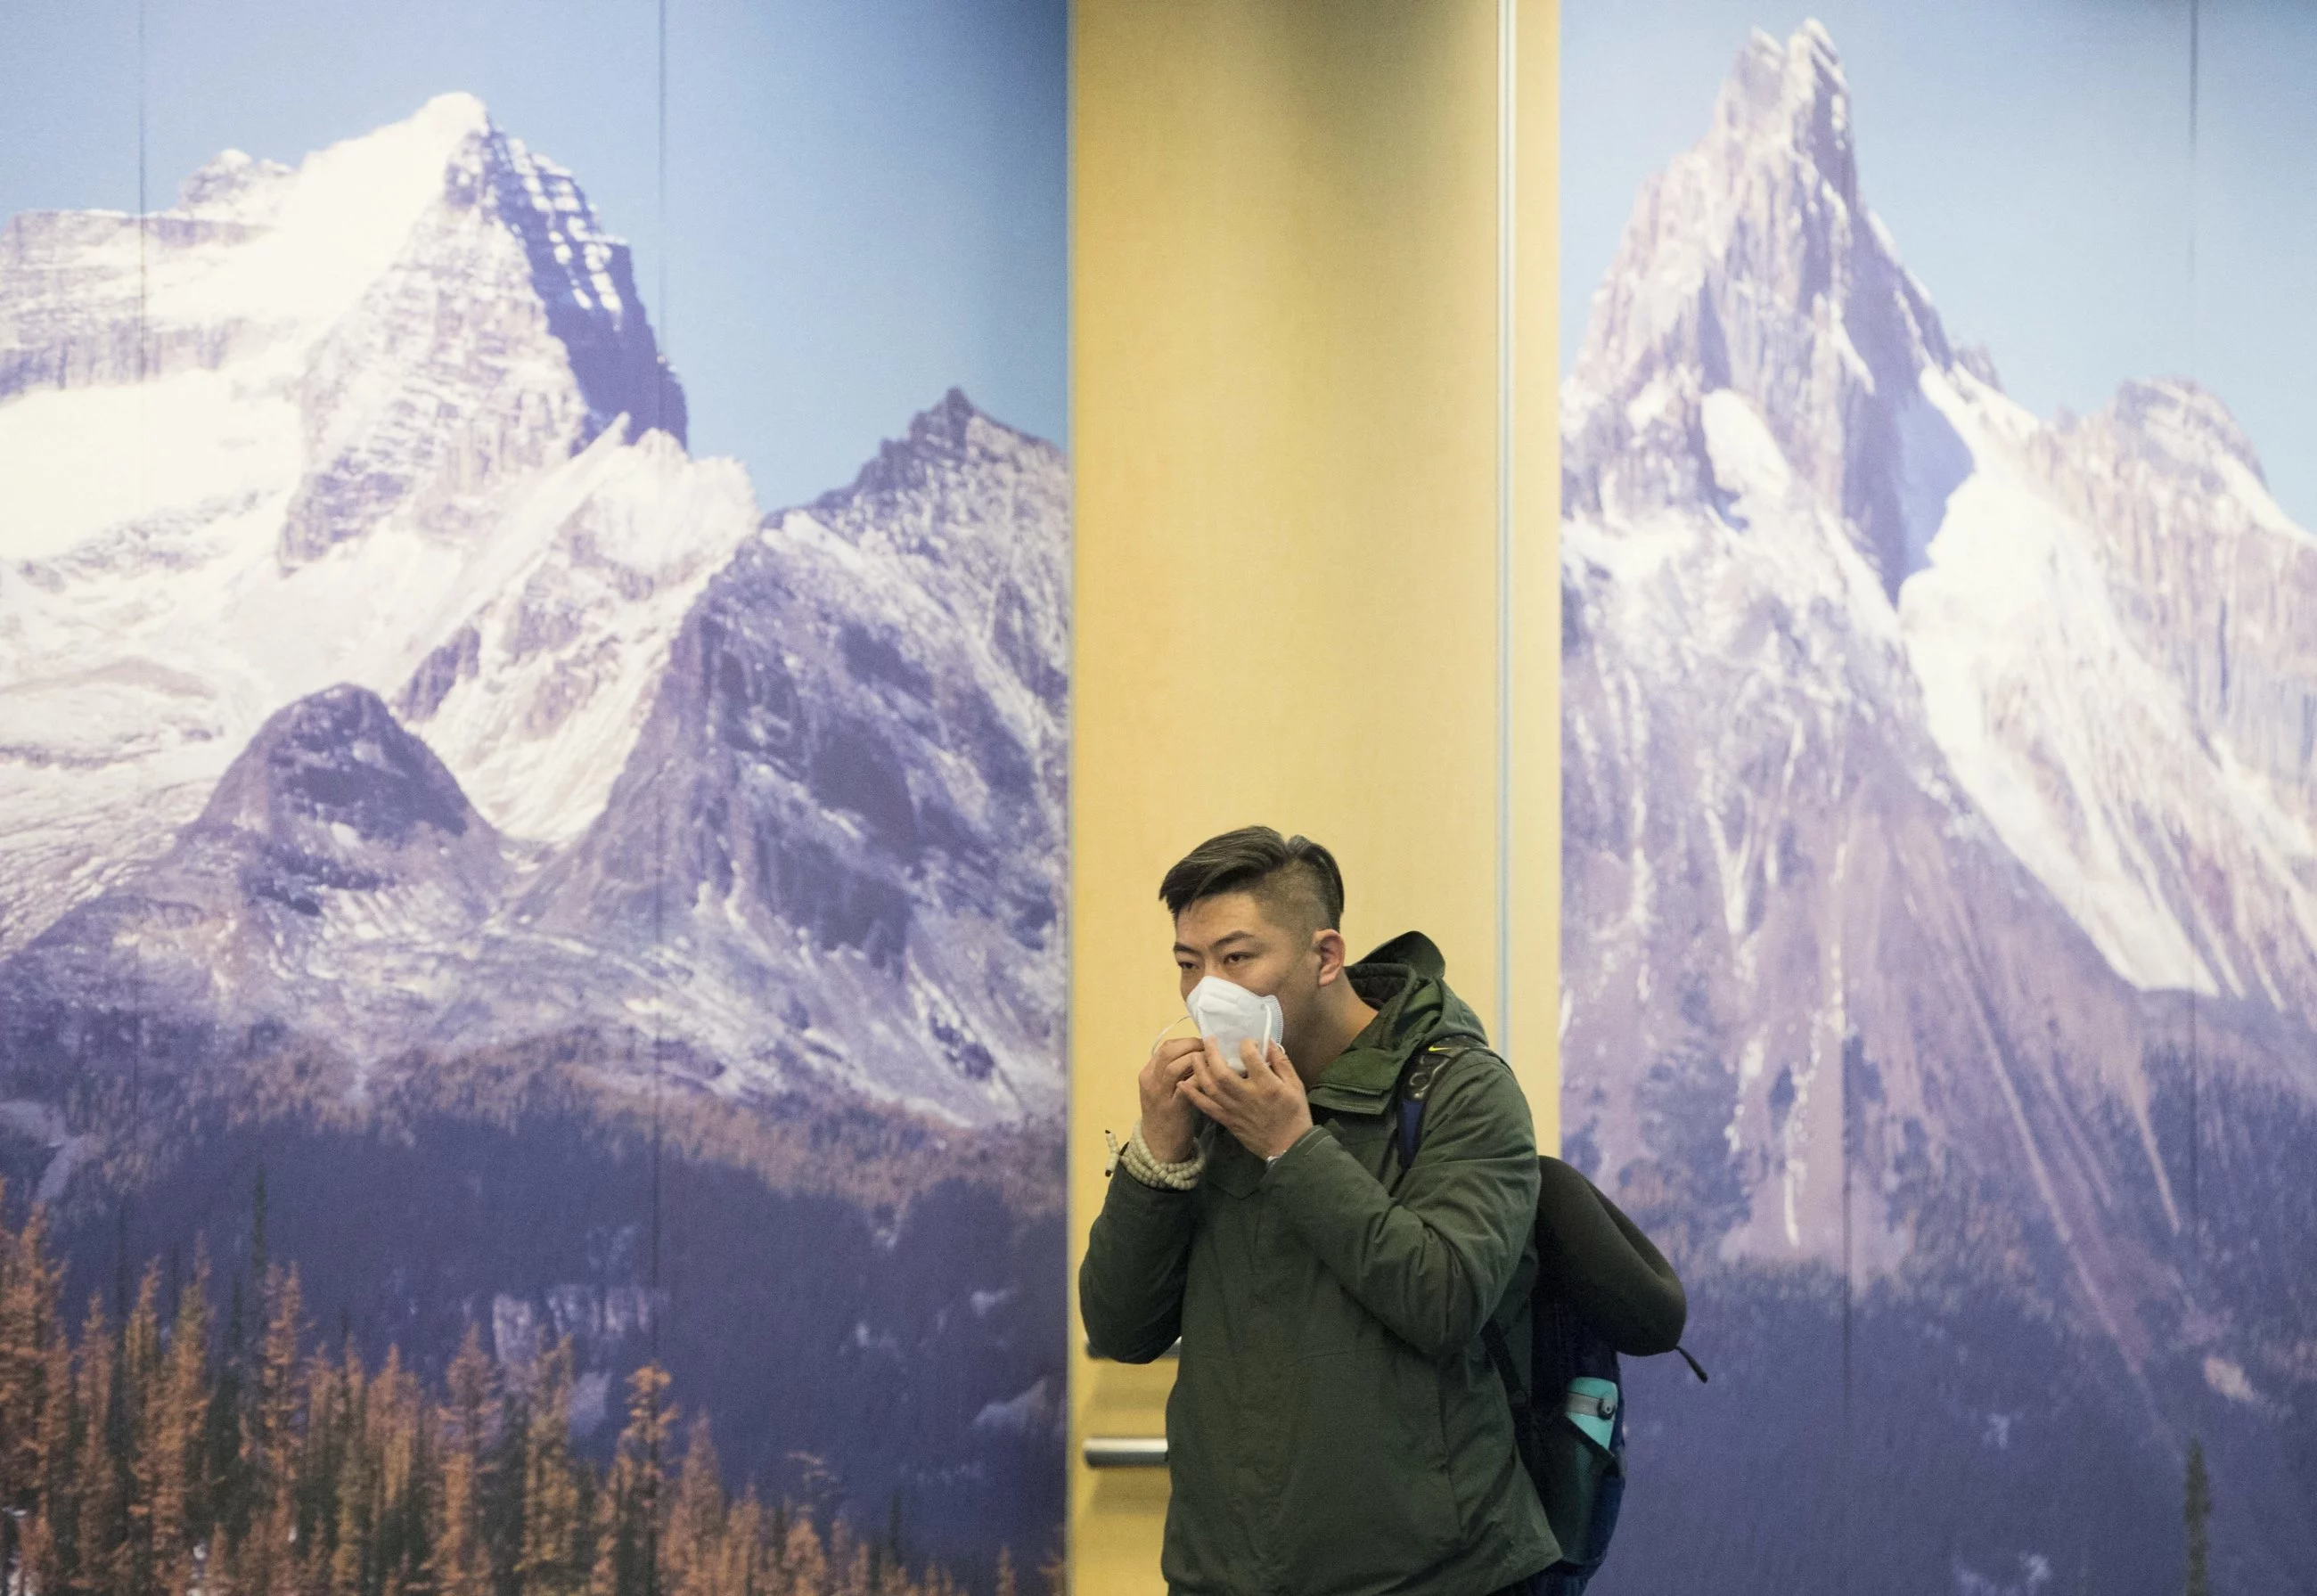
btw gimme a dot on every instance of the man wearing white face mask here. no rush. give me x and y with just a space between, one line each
1336 1427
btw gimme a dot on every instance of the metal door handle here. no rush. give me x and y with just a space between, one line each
1126 1451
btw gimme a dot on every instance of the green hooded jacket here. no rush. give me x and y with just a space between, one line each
1336 1427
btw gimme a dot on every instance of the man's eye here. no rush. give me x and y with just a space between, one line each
1236 957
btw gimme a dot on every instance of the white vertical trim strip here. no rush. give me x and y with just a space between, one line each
1506 42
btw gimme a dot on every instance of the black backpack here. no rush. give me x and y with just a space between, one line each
1601 1290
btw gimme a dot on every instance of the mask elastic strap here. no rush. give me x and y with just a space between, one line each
1171 1025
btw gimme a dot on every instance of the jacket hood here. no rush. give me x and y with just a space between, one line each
1405 982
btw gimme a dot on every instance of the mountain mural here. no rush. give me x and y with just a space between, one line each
594 906
1939 832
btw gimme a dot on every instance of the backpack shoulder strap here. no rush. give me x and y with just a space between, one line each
1413 1089
1517 1395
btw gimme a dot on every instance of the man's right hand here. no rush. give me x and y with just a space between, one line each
1168 1118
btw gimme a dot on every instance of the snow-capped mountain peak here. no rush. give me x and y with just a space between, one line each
338 407
1752 263
1793 96
582 275
235 186
2183 424
534 292
335 223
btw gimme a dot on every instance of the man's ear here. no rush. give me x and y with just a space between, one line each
1329 946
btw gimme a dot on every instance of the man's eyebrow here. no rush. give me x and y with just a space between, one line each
1223 941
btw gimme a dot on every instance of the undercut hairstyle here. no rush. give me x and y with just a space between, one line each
1294 879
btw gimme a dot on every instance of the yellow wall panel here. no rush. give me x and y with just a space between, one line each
1287 423
1532 865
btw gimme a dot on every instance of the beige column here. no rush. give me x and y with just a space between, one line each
1311 558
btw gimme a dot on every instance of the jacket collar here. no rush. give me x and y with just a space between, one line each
1412 1007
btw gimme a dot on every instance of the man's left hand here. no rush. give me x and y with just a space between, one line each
1265 1110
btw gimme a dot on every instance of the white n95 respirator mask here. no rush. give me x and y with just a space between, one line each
1231 1014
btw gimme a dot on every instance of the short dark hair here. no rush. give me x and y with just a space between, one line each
1293 877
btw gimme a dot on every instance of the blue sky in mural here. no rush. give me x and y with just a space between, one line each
2034 163
864 204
